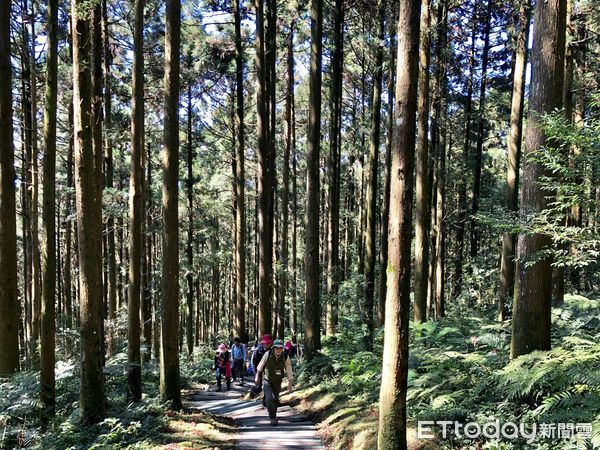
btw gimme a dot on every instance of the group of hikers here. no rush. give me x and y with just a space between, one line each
268 360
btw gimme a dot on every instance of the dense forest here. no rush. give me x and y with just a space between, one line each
407 190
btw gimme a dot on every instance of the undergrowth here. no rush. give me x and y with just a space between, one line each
459 370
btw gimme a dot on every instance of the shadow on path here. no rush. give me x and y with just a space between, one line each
252 419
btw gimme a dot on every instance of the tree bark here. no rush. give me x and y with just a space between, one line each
533 291
333 170
507 264
169 355
48 325
385 209
312 313
371 218
134 368
9 320
89 220
394 381
239 321
422 205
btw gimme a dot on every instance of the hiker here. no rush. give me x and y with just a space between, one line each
222 366
271 369
238 356
290 349
260 350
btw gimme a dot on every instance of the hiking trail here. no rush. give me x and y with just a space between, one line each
252 420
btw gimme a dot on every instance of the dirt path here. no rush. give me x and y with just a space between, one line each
253 428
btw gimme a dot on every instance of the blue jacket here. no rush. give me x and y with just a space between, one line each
238 352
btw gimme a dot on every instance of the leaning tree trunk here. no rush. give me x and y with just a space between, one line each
169 355
48 325
312 314
422 187
533 291
9 319
507 264
89 222
394 381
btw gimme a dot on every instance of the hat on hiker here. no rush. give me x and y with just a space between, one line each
278 343
266 339
223 348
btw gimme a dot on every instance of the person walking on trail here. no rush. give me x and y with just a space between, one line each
271 368
257 355
263 347
222 366
238 356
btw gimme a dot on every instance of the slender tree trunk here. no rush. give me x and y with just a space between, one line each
68 282
190 234
507 264
149 278
371 218
109 167
9 320
394 381
134 370
169 355
385 209
462 184
312 313
480 131
36 277
442 88
422 210
533 291
333 171
239 321
48 325
89 220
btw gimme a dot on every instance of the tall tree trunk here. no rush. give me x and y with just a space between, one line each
533 291
462 184
480 131
169 355
440 105
394 381
507 264
312 313
148 274
48 325
9 319
109 168
89 220
68 283
385 209
294 306
264 175
422 205
371 218
333 170
36 277
190 234
134 369
239 321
